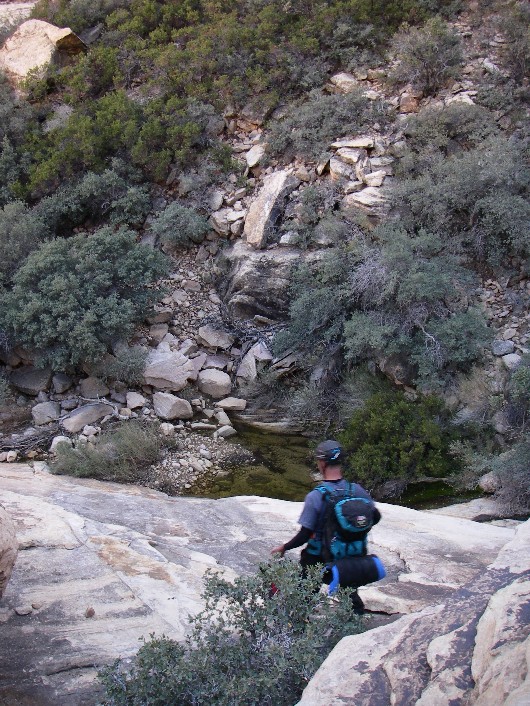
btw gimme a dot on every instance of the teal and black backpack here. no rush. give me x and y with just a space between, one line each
343 524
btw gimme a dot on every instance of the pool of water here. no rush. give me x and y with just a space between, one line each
284 468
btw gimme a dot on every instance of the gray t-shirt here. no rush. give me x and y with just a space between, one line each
314 499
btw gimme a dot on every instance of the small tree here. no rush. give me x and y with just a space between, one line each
179 225
247 647
72 298
391 438
427 56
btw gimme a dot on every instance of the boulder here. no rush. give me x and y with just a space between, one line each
226 432
255 155
375 178
364 143
135 400
214 382
46 412
30 380
265 210
198 363
168 406
59 440
166 369
246 370
61 383
257 282
500 348
350 155
87 414
93 388
408 103
512 361
34 45
214 337
8 548
372 200
234 404
339 170
345 82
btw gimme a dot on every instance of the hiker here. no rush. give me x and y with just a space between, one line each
341 549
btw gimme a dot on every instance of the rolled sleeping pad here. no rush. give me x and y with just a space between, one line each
352 572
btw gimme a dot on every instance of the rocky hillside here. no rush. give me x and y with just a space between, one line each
101 565
202 352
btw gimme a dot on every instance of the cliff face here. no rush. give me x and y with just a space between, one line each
101 565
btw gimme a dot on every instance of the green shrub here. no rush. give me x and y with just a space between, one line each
308 129
478 198
515 25
77 14
16 117
320 301
519 386
122 455
246 647
445 131
96 197
179 225
391 438
126 366
5 390
511 468
21 232
398 295
427 56
72 298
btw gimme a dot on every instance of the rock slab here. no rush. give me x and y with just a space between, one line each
34 45
8 548
266 208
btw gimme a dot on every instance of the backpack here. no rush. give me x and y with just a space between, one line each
343 524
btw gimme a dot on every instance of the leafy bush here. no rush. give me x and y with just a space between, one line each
479 198
15 118
246 647
5 391
511 468
307 129
179 225
77 14
446 131
515 24
127 366
72 298
122 454
21 232
397 296
427 56
98 197
391 438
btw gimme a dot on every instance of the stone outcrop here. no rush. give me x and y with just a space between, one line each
34 45
133 559
87 414
168 406
167 369
258 281
265 210
214 383
8 548
30 380
470 647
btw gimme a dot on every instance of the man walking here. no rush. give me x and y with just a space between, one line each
329 456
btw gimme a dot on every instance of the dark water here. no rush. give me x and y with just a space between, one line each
285 469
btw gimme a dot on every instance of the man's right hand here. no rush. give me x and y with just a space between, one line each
278 550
